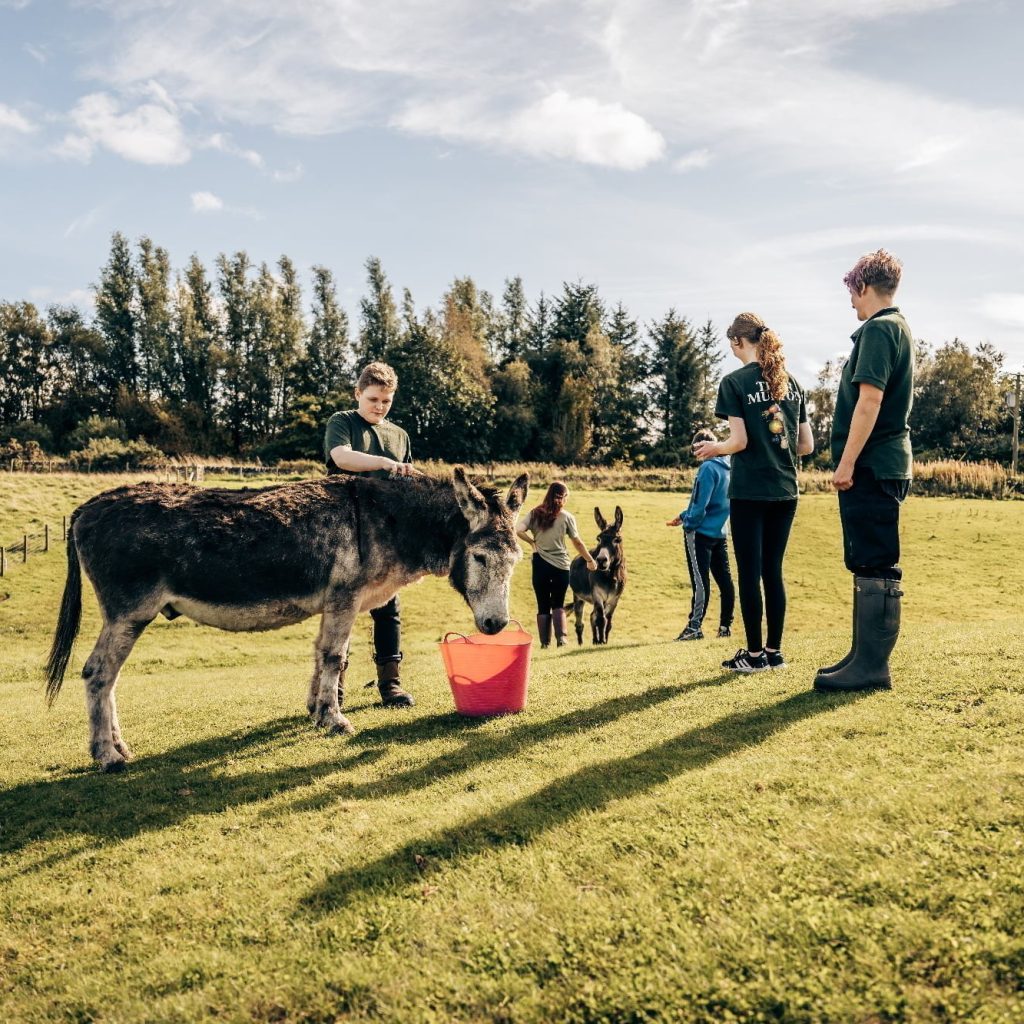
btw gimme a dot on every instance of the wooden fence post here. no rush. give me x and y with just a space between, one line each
3 561
24 550
46 537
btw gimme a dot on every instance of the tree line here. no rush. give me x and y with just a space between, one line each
234 362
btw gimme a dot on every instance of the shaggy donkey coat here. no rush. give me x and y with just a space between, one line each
602 586
259 559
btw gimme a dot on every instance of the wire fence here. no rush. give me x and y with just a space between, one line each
31 544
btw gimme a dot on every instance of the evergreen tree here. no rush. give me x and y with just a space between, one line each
159 371
378 318
26 364
327 367
623 396
77 352
708 346
443 405
290 347
676 382
238 335
116 317
196 342
515 322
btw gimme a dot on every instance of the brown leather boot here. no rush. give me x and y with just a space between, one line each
391 694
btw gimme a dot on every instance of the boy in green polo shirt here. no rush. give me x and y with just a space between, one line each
362 441
871 449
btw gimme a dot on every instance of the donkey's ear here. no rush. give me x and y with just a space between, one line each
517 495
618 517
599 519
471 501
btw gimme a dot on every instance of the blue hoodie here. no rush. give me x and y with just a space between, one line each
709 503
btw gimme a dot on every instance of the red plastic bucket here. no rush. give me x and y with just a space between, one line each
488 674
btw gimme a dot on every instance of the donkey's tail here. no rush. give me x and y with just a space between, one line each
68 621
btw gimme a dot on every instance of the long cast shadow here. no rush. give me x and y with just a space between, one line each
481 748
587 790
162 790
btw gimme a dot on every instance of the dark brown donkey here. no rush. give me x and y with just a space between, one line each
603 586
260 559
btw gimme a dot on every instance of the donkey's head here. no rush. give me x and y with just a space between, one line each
482 562
609 540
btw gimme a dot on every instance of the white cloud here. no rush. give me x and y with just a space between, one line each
150 133
206 202
40 54
293 173
559 125
696 159
82 223
11 120
225 144
75 147
608 82
1004 307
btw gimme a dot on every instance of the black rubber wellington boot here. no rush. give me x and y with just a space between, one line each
544 630
559 624
848 657
877 629
391 694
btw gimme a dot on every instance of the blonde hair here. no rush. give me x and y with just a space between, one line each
379 374
770 357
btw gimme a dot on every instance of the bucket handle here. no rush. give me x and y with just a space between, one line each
468 641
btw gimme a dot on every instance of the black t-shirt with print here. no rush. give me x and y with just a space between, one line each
766 469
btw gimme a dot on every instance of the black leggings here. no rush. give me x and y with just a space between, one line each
760 533
549 584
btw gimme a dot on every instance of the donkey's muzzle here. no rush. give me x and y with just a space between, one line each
490 626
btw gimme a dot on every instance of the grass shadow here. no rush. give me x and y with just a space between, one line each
164 789
582 792
483 748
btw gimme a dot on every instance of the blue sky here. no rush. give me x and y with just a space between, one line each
707 155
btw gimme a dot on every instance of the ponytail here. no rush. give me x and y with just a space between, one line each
770 356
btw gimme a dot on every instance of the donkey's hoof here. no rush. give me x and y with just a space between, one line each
122 748
341 728
118 764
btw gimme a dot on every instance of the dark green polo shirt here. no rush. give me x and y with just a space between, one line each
882 355
766 469
384 438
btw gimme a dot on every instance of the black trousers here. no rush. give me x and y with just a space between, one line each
760 533
870 514
549 585
387 632
705 557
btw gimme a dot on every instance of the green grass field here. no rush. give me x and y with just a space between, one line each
652 840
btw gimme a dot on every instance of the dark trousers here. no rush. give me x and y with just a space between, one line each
549 585
705 557
870 514
760 533
387 632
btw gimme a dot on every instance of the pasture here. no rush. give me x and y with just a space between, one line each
652 840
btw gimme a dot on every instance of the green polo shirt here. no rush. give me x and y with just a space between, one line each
882 355
384 438
766 469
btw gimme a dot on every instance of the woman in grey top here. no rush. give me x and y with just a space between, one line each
545 530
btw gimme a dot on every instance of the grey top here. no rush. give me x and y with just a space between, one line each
551 543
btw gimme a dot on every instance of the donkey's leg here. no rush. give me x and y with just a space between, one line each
597 621
101 672
609 611
331 651
577 607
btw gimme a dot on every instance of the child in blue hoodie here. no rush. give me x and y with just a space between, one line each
704 540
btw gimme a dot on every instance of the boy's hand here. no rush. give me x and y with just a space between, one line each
705 450
404 469
674 522
591 564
